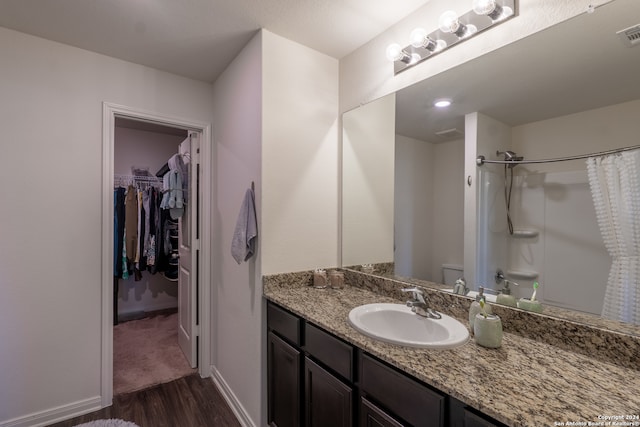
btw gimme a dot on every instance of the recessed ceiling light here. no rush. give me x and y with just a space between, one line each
442 103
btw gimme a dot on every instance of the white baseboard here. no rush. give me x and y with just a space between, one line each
126 309
241 414
54 415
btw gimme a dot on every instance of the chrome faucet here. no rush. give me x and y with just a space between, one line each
460 287
418 303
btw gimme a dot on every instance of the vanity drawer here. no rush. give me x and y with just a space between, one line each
333 352
285 324
406 398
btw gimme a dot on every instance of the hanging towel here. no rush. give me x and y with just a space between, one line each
243 244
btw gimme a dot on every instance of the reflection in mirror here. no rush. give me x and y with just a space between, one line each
568 90
367 183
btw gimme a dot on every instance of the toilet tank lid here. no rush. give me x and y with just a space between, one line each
452 267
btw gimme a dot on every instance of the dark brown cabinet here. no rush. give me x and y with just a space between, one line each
372 416
316 379
328 401
460 415
285 386
309 375
406 398
473 420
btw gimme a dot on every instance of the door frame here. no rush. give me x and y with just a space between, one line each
109 113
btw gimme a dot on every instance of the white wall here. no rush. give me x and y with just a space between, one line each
368 141
134 147
237 315
366 74
50 255
590 131
428 234
448 206
299 157
413 210
141 148
267 131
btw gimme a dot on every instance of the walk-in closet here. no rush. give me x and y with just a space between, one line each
150 196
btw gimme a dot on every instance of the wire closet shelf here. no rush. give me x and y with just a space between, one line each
136 181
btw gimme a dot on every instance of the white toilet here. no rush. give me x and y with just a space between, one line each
451 273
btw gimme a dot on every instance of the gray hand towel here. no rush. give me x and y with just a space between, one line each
243 244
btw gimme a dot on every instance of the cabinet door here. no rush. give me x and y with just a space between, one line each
372 416
401 395
284 383
328 400
473 420
460 415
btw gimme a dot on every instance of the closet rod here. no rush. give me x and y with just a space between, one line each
480 160
138 178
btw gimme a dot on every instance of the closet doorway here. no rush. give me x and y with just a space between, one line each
157 294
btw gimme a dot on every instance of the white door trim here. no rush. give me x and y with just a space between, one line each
109 113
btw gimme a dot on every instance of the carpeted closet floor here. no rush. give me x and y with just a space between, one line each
146 353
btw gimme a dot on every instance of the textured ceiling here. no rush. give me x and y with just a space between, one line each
199 38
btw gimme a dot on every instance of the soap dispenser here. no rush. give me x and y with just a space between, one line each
505 297
476 308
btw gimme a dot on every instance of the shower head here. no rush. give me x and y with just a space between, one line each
510 156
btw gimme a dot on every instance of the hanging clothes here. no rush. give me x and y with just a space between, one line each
139 232
131 222
118 230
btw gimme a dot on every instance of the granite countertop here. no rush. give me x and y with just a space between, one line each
523 383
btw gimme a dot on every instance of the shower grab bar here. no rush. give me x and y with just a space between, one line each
480 160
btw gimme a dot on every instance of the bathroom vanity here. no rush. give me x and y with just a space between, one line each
321 371
319 378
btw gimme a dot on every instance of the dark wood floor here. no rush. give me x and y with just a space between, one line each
187 402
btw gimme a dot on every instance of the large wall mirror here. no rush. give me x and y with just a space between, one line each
571 89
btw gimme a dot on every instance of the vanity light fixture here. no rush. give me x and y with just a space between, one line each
452 29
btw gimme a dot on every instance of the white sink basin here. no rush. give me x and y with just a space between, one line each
397 324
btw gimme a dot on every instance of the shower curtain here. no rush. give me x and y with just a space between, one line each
615 186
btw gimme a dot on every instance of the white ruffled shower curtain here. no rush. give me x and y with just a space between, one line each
615 186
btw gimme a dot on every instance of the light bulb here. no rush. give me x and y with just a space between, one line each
394 52
418 37
491 9
440 45
449 22
442 103
506 12
484 7
470 30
